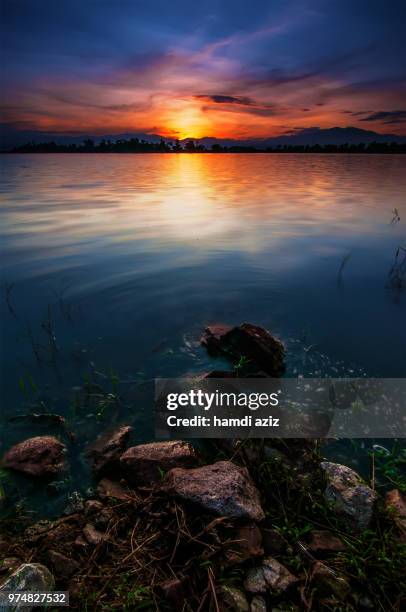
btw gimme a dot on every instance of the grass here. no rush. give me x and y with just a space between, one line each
374 560
390 466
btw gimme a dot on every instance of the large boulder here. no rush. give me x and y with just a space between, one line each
256 344
147 463
104 454
223 488
271 576
32 577
39 456
348 495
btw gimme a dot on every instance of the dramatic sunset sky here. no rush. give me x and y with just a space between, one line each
225 68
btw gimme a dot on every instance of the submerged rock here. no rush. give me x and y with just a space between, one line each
395 504
39 456
233 599
147 463
271 576
223 488
104 454
32 577
348 495
265 352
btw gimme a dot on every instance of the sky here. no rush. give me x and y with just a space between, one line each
183 69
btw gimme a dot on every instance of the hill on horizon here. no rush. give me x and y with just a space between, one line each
11 138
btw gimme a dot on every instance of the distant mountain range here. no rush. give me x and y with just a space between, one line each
10 138
312 136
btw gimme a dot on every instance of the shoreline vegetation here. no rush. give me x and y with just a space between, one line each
231 525
135 145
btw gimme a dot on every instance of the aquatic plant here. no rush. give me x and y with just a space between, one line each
397 272
8 288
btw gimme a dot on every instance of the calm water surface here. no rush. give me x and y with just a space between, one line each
125 258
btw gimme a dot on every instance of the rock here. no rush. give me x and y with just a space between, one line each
223 488
173 591
233 599
146 463
258 604
63 566
273 542
29 577
93 506
92 535
105 453
325 541
108 488
271 576
327 582
395 504
245 544
39 456
251 341
215 337
348 495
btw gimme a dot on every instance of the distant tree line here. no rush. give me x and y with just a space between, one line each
134 145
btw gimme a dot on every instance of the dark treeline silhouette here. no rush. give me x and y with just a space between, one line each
134 145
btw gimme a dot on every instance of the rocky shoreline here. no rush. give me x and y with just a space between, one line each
244 526
168 531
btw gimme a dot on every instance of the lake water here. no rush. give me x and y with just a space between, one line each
113 264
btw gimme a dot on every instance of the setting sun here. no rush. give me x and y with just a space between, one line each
186 120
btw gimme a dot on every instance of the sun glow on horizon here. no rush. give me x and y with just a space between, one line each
186 120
